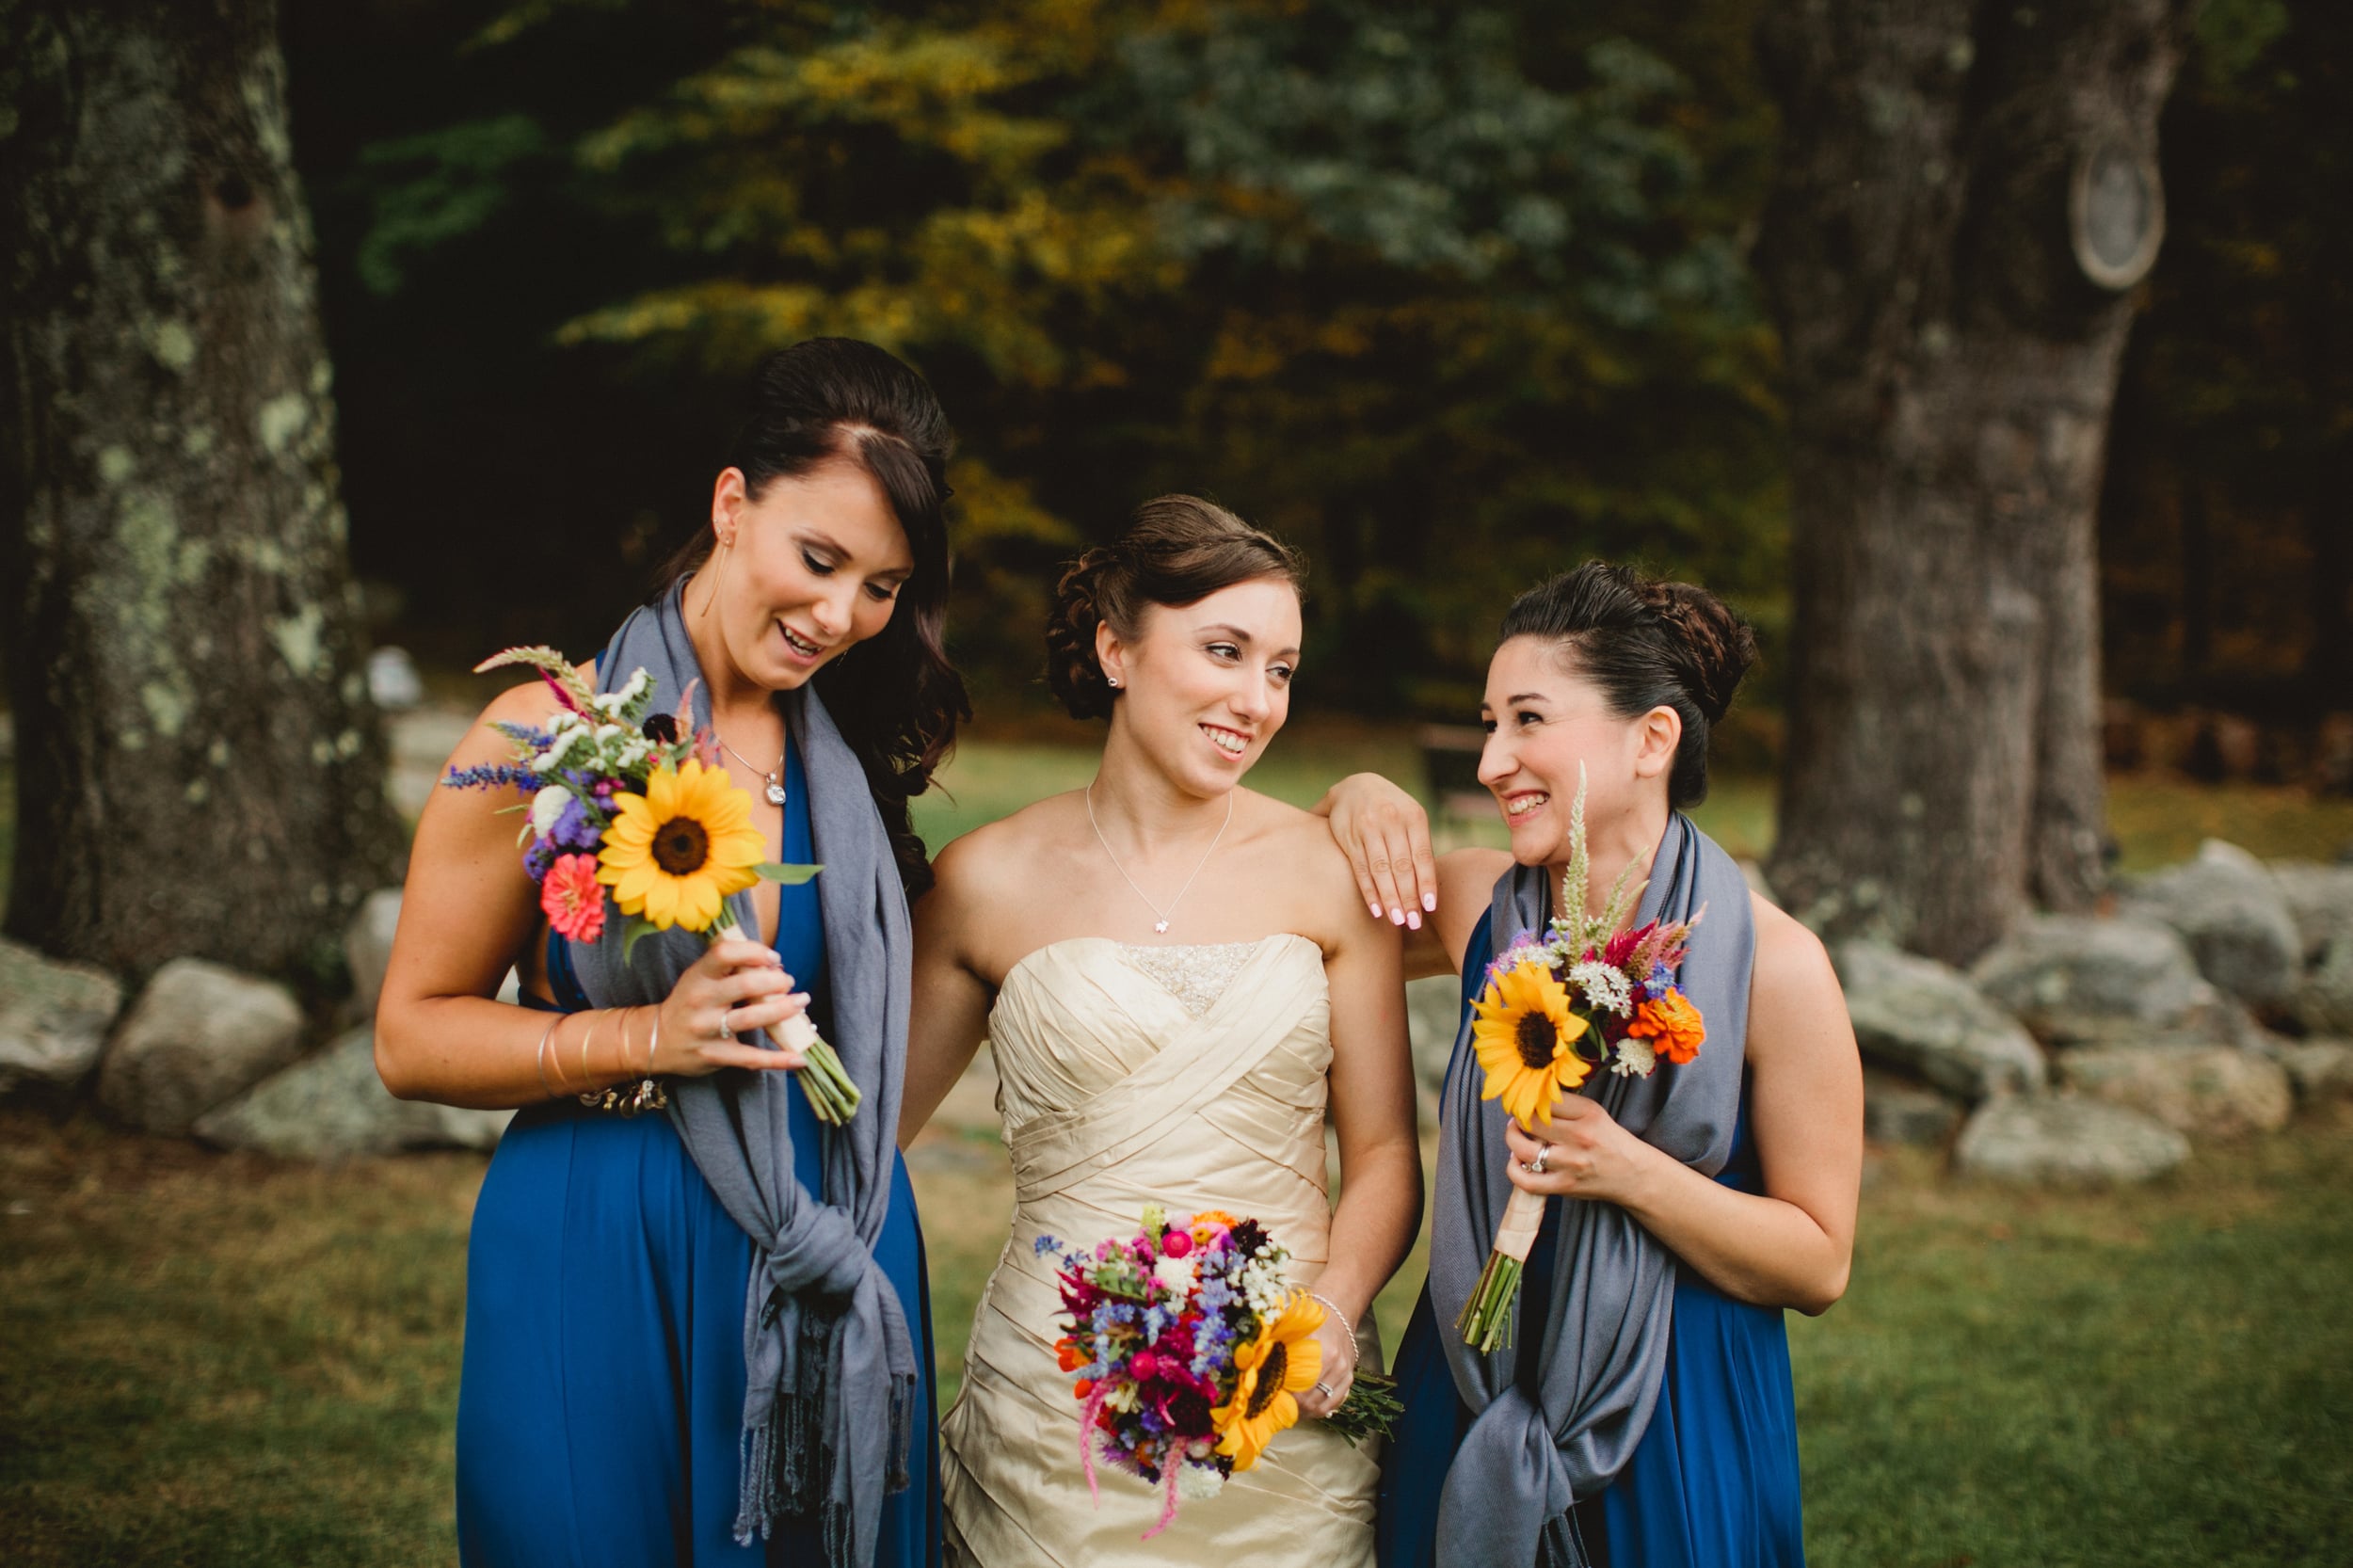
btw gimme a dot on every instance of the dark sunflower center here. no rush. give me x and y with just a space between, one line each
1271 1372
1538 1039
681 846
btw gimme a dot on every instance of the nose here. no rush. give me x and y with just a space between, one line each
1254 701
833 612
1495 762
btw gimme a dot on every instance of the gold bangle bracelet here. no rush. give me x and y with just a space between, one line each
541 1056
588 1082
653 1047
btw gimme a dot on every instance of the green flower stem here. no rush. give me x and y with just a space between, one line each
1372 1409
827 1083
1485 1325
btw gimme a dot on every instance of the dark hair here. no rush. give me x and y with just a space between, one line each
1647 644
1176 550
895 697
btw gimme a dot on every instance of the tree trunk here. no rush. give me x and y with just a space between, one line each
199 768
1950 371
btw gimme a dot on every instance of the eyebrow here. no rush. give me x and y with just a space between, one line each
811 533
1238 635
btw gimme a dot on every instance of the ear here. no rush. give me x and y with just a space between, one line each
1656 734
1110 653
728 497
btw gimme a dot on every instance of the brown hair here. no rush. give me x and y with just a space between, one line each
1178 550
1646 643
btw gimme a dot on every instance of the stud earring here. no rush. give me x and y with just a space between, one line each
1114 681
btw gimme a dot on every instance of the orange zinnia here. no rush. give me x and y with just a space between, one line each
1672 1024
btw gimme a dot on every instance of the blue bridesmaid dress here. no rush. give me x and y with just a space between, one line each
601 1400
1713 1483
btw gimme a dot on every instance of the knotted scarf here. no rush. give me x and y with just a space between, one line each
825 1345
1528 1457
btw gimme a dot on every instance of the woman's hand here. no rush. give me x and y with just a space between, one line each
1584 1152
1338 1373
740 984
1386 834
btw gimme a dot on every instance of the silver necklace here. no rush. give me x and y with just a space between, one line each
1162 923
774 779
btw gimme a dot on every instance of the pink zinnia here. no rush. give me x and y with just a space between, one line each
573 898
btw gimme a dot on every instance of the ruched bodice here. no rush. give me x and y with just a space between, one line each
1191 1077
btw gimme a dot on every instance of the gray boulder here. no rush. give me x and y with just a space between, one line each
53 1017
2066 1140
1433 1007
2320 897
198 1035
2317 1069
331 1105
1898 1112
368 946
2231 910
2324 1003
2083 980
1917 1014
2211 1092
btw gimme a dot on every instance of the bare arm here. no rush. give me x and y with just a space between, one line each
468 908
1372 1111
1386 835
1794 1244
950 1010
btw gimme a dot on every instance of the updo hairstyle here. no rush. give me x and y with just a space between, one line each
896 699
1178 550
1645 644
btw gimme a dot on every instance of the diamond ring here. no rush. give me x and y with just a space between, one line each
1321 1387
1536 1166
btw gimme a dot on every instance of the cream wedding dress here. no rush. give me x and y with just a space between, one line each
1190 1077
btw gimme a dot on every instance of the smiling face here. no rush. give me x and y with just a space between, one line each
810 567
1542 720
1204 686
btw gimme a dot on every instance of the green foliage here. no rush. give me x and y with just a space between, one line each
1452 298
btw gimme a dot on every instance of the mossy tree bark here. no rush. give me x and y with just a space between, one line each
1950 371
200 770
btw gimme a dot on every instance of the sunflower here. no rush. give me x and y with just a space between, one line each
674 854
1527 1041
1284 1359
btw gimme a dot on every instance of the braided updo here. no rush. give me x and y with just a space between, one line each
1645 644
1178 550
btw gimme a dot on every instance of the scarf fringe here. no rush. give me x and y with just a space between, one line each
787 1469
1562 1544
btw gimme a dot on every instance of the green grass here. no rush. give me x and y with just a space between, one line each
218 1359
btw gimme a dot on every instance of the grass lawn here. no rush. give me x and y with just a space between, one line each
220 1359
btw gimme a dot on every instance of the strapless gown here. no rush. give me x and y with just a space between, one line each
1191 1077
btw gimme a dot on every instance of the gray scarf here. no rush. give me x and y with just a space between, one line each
825 1340
1527 1460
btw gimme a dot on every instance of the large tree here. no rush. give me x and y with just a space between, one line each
1954 176
199 768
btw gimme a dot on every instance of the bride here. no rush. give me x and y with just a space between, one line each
1179 984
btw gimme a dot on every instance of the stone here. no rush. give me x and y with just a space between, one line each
1433 1012
1896 1111
2320 898
1920 1016
2065 1140
331 1105
368 946
53 1017
2211 1092
2316 1069
2229 908
2324 1001
2079 980
198 1035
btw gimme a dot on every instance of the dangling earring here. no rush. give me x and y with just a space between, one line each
705 613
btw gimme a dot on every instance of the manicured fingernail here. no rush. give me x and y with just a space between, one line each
1376 910
1430 903
801 997
1397 916
1412 920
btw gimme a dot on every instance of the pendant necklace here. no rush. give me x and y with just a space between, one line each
775 780
1162 923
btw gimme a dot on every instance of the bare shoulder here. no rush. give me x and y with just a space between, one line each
1305 843
1793 981
993 855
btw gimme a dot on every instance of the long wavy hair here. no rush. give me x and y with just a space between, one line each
896 698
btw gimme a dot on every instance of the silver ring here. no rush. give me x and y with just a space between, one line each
725 1032
1321 1387
1536 1166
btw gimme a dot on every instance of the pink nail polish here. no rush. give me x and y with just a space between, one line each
1430 903
1413 921
1397 916
1376 910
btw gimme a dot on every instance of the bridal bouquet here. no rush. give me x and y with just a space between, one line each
1582 999
635 808
1189 1351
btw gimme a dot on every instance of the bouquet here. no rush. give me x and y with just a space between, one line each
1556 1010
1189 1351
636 808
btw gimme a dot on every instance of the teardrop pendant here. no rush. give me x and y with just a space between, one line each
775 790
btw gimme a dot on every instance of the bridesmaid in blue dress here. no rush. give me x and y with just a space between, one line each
1696 1465
602 1414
